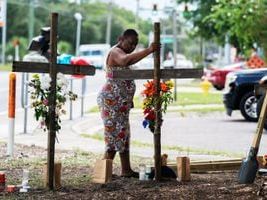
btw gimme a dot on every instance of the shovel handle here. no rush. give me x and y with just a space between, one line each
260 124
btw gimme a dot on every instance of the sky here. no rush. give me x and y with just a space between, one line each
145 6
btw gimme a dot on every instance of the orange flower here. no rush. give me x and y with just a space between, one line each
149 89
164 87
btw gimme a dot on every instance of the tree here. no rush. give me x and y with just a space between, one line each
244 20
203 7
93 22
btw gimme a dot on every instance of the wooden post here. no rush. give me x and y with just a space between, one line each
157 131
52 102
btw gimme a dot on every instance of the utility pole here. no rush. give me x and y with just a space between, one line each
137 13
79 18
31 20
3 17
174 49
109 21
227 50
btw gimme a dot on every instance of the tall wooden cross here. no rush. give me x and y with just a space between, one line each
157 74
52 68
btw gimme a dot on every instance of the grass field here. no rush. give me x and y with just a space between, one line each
189 98
6 67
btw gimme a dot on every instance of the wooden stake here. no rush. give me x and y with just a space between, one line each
157 131
57 175
52 102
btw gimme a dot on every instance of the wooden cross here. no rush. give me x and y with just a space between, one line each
157 74
52 68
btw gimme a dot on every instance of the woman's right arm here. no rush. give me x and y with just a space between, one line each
123 59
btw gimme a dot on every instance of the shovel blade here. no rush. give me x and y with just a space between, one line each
248 171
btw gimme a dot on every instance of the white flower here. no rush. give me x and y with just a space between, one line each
64 90
45 82
61 80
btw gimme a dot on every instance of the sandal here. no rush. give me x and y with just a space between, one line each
131 175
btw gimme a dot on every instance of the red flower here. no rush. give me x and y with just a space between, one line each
151 115
147 110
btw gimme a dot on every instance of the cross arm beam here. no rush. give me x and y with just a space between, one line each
165 73
37 67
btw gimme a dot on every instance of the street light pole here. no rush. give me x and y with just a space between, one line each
31 20
137 13
78 17
174 49
109 20
3 17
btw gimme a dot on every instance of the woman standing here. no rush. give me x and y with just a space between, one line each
116 99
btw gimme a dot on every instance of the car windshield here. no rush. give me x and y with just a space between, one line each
92 53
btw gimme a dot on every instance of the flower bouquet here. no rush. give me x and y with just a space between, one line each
149 101
40 90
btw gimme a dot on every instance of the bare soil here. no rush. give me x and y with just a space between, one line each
76 184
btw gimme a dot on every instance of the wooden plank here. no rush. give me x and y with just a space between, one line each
165 73
204 167
34 67
216 165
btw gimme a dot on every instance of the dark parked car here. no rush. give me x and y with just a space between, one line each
239 92
217 75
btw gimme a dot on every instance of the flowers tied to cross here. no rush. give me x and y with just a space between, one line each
40 90
149 101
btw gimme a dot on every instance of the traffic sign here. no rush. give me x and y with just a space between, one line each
166 39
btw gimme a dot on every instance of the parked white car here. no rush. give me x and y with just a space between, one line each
95 53
181 62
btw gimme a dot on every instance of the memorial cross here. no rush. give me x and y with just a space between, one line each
52 68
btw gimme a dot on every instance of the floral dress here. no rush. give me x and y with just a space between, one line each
115 101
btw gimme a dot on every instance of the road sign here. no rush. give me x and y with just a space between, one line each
166 40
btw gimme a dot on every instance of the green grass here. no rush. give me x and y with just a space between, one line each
93 109
135 143
6 67
192 98
199 110
184 99
189 98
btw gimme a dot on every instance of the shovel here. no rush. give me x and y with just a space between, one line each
249 166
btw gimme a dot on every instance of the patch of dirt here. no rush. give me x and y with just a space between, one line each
76 181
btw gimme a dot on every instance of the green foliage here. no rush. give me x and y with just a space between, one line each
64 47
201 28
243 20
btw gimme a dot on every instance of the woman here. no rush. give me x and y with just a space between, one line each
116 99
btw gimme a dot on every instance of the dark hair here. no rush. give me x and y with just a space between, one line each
130 32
